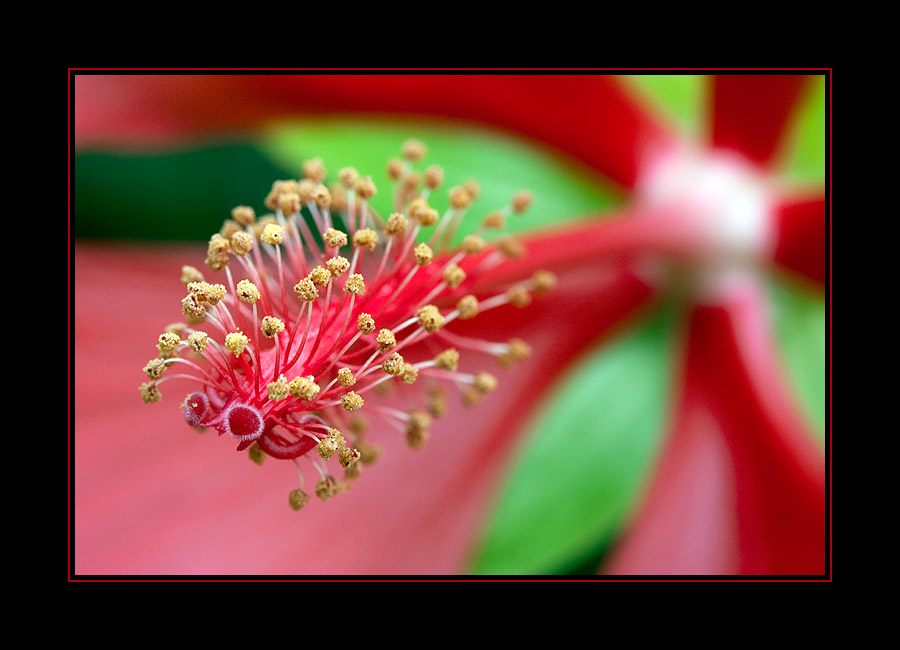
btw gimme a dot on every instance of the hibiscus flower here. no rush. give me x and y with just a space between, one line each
739 483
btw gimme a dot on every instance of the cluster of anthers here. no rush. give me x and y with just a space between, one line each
289 354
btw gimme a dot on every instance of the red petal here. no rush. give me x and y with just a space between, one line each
741 485
750 112
591 117
803 228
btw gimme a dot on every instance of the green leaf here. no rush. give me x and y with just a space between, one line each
800 318
167 195
680 99
187 194
501 164
806 153
582 464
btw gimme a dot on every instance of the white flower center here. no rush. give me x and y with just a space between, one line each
725 199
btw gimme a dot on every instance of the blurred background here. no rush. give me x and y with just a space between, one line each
160 160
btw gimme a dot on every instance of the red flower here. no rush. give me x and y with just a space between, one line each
280 368
736 429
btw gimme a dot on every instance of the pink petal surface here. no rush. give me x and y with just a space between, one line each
592 117
740 486
153 497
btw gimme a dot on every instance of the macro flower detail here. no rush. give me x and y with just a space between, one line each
323 306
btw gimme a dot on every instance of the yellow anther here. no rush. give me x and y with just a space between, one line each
229 227
355 284
517 350
351 401
261 224
337 266
470 396
305 189
345 377
243 214
256 454
278 389
544 281
190 274
241 243
326 487
197 341
348 176
428 217
178 329
485 383
365 323
369 452
418 420
306 290
448 359
279 188
395 169
271 326
358 425
297 499
217 245
411 182
353 472
167 342
320 275
193 309
430 318
289 204
396 224
247 291
413 150
155 368
150 393
417 429
331 444
236 342
386 340
365 188
410 373
522 201
460 198
437 401
494 221
314 170
467 307
511 248
217 252
416 207
334 238
365 238
472 245
304 388
338 198
518 296
321 196
393 365
272 234
348 457
424 254
471 186
434 176
453 275
206 292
